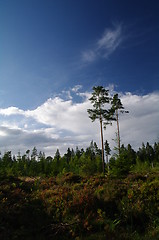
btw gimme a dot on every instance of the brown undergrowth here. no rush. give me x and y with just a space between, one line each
75 207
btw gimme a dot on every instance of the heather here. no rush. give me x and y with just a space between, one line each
77 207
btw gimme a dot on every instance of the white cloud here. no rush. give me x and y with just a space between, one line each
65 115
76 88
11 111
141 124
60 123
104 46
110 40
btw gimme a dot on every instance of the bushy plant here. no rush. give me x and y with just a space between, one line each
120 166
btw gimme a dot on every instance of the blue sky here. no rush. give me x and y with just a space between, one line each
53 52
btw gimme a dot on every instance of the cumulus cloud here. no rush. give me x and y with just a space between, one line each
11 111
141 124
65 115
60 123
104 46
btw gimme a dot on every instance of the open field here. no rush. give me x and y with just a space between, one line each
75 207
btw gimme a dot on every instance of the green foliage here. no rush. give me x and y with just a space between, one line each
99 99
141 166
121 165
86 163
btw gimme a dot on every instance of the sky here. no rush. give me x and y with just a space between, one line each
52 53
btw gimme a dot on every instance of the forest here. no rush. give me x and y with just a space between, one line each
79 161
89 194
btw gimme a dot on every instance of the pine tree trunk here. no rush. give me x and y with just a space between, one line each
118 133
101 128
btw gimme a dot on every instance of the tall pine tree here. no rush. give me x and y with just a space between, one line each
117 107
100 97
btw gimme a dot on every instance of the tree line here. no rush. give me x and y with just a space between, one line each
80 161
106 109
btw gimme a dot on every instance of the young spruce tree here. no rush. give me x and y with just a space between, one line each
107 152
